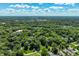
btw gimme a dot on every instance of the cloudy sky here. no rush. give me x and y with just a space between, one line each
39 9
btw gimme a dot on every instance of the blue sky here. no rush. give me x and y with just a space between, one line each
39 9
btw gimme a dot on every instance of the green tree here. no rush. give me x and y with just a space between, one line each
44 52
26 46
19 53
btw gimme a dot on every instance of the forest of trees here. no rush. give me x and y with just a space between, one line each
39 38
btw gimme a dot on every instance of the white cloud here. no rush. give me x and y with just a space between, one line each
35 7
69 3
72 4
11 6
20 6
65 3
8 10
59 3
47 9
73 11
56 7
23 6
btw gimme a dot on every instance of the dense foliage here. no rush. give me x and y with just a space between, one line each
35 38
